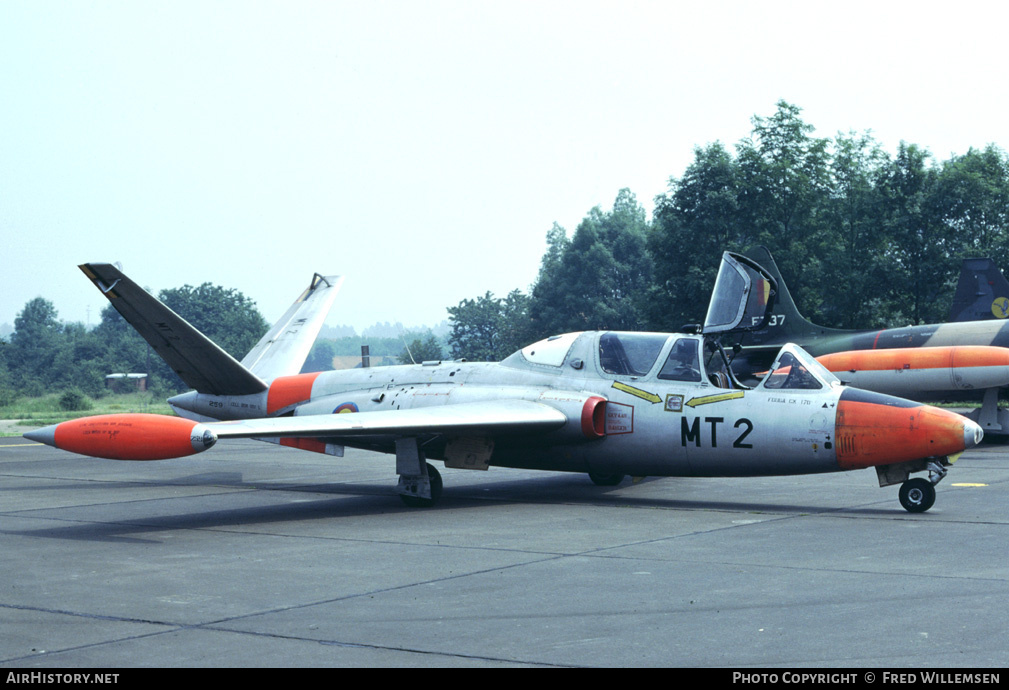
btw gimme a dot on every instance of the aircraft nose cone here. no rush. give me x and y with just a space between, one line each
875 429
972 434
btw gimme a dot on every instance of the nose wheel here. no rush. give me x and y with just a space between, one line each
917 495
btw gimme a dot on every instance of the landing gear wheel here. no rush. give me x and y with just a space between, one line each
606 479
436 485
917 495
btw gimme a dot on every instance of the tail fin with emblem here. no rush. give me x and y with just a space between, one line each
982 292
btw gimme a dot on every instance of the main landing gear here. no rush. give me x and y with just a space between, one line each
606 479
419 482
411 492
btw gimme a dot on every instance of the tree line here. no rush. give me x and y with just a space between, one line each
45 354
864 239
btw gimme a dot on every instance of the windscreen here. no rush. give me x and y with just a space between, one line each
629 354
550 351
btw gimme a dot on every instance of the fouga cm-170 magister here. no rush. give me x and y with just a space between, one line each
609 404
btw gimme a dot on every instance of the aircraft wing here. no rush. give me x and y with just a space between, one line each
198 361
131 436
492 418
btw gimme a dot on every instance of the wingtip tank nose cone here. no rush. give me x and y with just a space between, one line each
202 438
46 435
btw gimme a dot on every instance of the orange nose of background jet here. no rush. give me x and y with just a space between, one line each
875 429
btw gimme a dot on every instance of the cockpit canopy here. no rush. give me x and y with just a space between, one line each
795 369
550 351
633 355
742 298
663 356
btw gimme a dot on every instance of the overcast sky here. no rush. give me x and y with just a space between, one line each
422 149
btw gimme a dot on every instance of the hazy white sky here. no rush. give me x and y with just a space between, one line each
421 148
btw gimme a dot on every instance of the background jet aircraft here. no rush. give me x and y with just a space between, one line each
965 360
605 403
982 292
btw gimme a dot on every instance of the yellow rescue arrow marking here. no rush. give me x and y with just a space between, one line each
637 392
719 397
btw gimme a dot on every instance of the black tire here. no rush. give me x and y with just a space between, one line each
434 477
606 479
917 495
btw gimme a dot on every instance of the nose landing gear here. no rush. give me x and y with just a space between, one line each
918 495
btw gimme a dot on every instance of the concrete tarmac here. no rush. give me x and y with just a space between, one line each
251 555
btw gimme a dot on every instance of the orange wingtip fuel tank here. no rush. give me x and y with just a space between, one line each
959 357
875 429
128 436
909 372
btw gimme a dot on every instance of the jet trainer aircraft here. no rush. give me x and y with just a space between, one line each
963 360
609 404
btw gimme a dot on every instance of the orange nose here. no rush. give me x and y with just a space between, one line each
875 429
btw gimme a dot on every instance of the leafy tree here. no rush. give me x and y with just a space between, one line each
320 358
124 350
7 390
79 363
972 198
488 329
695 221
422 350
557 244
785 183
224 315
863 240
853 253
599 279
36 342
918 256
45 353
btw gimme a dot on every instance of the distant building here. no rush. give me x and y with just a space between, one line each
126 383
